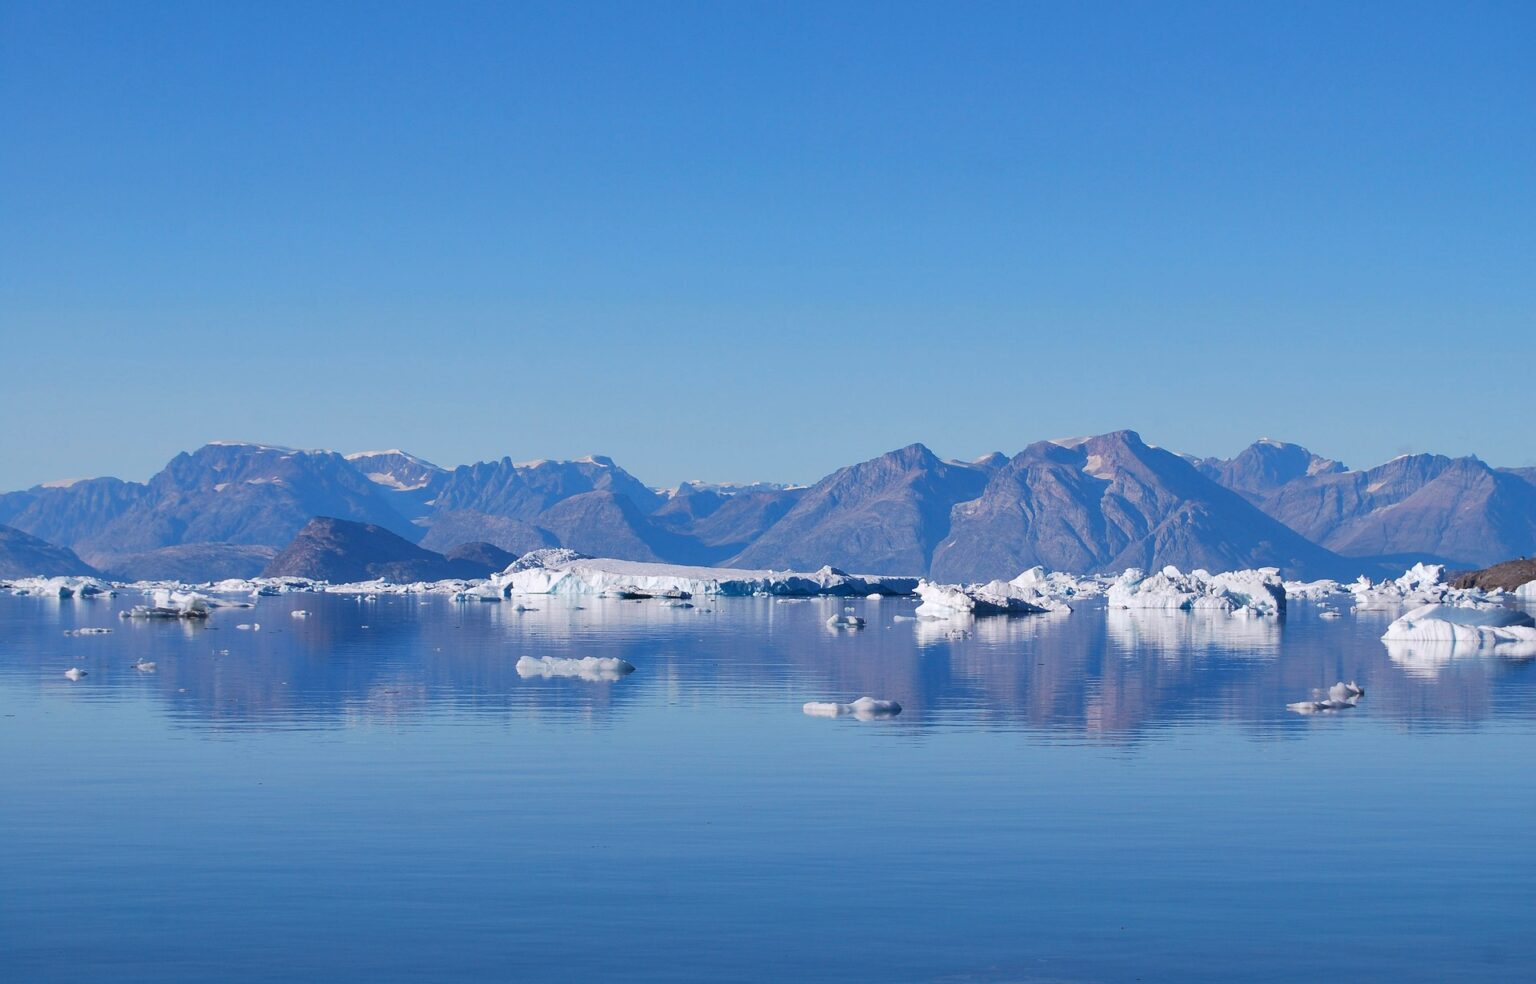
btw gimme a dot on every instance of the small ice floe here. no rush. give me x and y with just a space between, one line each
677 604
874 597
790 601
594 668
1328 613
144 666
249 626
863 709
172 604
1339 697
845 622
74 673
299 613
86 632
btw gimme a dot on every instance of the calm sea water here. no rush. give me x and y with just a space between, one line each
374 794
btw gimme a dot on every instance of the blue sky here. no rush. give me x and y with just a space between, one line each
739 241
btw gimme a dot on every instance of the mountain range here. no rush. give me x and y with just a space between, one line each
1090 504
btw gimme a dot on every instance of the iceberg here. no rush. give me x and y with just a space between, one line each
61 587
561 571
942 601
842 621
1421 584
1253 592
1489 628
1314 590
1339 697
863 709
598 669
172 604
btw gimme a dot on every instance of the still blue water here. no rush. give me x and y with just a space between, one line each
374 794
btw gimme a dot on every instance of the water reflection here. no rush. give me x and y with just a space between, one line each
1114 674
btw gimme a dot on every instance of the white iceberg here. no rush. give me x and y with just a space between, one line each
61 587
1314 590
842 621
1490 628
598 669
863 709
567 572
1421 584
1339 697
1250 592
172 604
74 673
942 601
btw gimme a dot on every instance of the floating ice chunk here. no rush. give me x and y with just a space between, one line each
1421 584
845 622
1253 592
594 668
144 666
992 598
1314 590
1341 696
87 632
1526 591
249 626
1057 585
62 587
1329 613
74 673
864 709
171 604
1503 631
298 613
566 572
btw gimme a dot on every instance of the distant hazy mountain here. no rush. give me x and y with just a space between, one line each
70 513
484 556
1458 511
1112 502
24 555
1098 503
880 516
188 562
339 550
1266 466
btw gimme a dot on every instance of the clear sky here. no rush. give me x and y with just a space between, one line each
738 241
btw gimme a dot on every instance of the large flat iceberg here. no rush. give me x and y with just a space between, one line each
1504 631
565 572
